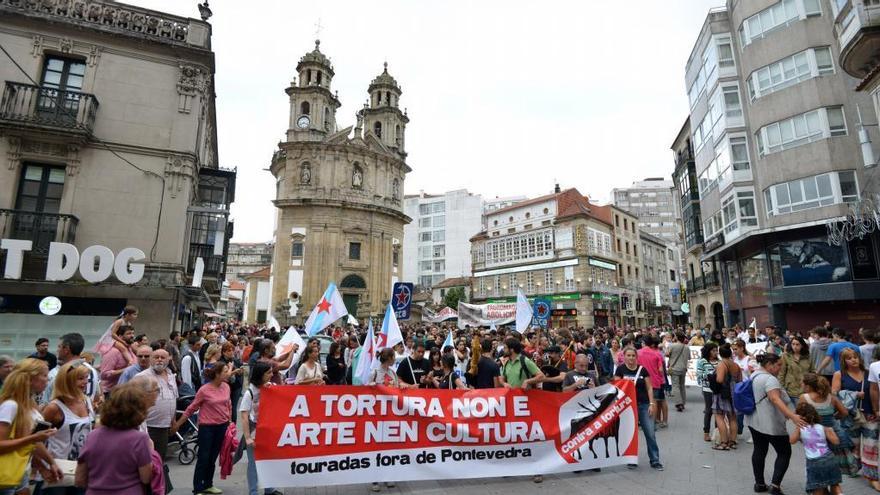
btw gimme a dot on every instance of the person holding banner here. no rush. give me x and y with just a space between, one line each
519 371
630 370
451 378
214 405
309 372
249 410
384 375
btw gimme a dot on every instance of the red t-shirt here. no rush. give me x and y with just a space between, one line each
652 361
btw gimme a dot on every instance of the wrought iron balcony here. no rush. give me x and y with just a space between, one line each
711 280
39 228
214 265
41 107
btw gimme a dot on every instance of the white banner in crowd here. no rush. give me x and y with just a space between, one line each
691 377
484 315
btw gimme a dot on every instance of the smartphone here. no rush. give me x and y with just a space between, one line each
42 426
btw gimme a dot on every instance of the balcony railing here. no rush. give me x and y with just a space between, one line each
44 107
214 266
711 280
39 228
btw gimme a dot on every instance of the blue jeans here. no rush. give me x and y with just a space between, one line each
647 424
252 479
739 423
210 440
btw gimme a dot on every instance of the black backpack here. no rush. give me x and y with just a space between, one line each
714 386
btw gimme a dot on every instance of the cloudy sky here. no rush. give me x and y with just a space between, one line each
504 97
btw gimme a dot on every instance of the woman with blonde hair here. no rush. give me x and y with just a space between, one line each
212 356
850 385
817 393
19 443
70 412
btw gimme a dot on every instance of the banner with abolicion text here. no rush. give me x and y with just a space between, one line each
366 434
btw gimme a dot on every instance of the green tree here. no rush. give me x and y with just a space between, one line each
453 297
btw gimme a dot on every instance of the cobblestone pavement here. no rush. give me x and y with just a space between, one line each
692 467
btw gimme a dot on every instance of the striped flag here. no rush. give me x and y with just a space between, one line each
329 309
361 373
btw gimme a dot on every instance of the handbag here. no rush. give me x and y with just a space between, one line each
68 468
14 464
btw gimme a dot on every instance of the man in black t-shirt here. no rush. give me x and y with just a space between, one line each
413 369
554 370
488 370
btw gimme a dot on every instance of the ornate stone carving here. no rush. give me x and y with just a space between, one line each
73 160
65 45
357 177
192 81
40 44
305 173
108 15
395 190
178 170
13 152
43 148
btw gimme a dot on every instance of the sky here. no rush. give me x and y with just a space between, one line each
504 98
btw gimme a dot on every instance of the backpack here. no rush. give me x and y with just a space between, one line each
714 386
744 397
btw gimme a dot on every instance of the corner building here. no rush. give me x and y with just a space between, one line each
774 128
339 194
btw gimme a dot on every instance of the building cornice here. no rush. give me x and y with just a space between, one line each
335 203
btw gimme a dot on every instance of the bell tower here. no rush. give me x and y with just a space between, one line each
312 105
383 117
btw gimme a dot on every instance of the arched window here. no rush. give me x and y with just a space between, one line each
327 118
387 98
397 134
320 77
377 129
353 282
304 108
309 81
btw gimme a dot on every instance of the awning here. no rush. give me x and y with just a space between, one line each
199 296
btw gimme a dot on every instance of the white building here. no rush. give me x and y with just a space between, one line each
436 244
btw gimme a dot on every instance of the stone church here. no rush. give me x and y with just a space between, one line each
339 195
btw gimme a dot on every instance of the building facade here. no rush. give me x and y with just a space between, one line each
774 129
553 247
255 299
658 272
246 258
109 132
435 243
653 202
339 196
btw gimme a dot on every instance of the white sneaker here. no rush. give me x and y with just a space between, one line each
749 440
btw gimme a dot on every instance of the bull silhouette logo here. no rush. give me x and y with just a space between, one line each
589 409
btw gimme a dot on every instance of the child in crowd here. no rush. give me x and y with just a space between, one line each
823 473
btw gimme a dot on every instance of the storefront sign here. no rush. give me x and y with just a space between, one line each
559 313
603 264
318 436
552 297
50 305
602 313
95 264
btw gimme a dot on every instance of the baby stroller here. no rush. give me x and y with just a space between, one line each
186 437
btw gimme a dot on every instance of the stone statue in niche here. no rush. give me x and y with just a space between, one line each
305 174
357 177
395 189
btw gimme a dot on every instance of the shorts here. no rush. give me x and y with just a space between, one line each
25 481
659 394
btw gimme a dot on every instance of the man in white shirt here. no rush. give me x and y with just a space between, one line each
191 367
160 417
70 346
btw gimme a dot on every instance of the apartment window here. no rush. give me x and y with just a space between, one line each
775 17
482 286
439 236
354 250
625 224
439 251
568 273
511 231
801 129
424 209
296 250
425 252
523 246
811 192
425 266
61 83
732 105
511 282
439 221
530 282
618 246
739 154
425 222
629 271
40 189
635 250
627 247
616 220
548 281
545 223
725 53
789 71
425 237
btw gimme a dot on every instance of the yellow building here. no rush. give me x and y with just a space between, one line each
339 195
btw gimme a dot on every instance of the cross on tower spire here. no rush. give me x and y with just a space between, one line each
318 28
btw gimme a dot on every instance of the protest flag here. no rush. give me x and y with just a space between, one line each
329 309
523 312
361 374
390 334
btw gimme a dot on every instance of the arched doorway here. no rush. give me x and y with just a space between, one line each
701 316
718 315
352 287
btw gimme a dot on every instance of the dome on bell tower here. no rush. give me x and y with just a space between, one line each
384 90
314 68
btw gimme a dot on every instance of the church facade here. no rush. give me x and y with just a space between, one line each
339 195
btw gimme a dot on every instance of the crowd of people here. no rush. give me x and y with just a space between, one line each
70 427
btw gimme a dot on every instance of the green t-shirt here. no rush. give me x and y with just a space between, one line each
514 374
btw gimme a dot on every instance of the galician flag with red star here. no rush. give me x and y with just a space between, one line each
390 334
329 309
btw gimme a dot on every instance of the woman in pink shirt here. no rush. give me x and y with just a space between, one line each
214 406
651 359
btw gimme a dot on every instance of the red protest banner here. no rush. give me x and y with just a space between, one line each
384 434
